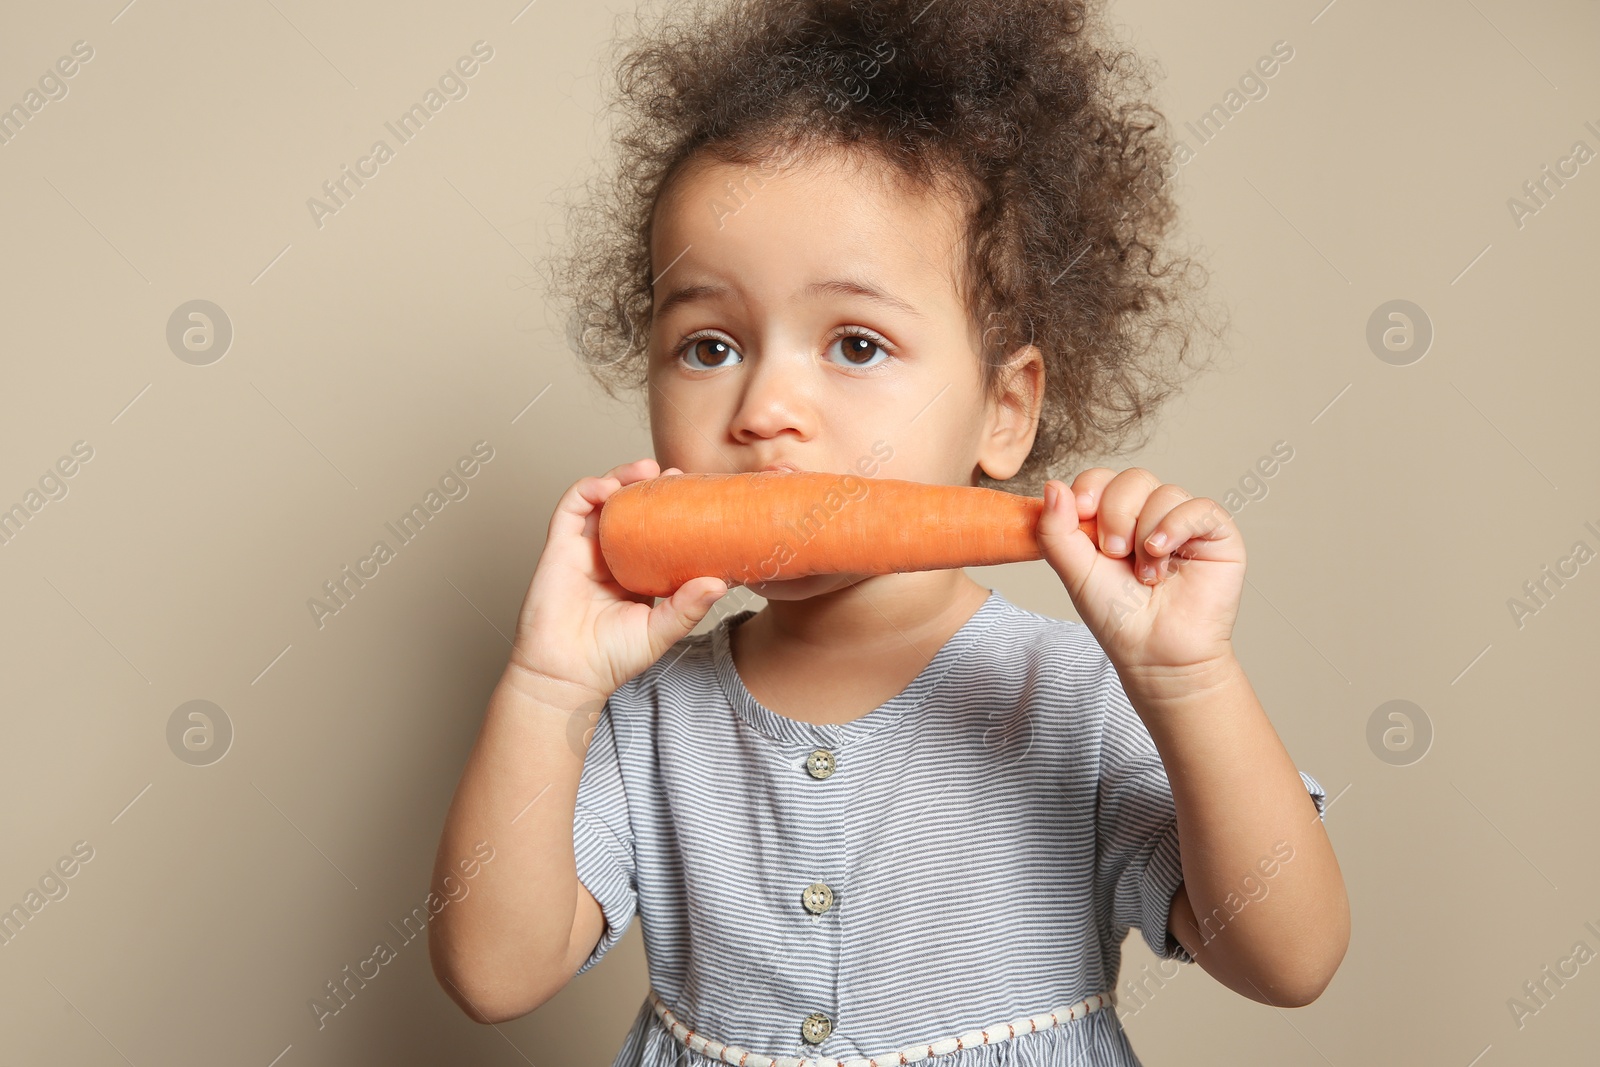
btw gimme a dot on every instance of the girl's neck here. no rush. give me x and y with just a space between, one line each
879 614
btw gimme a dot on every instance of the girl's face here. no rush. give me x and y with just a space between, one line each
809 316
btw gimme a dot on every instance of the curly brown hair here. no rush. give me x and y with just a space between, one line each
1017 106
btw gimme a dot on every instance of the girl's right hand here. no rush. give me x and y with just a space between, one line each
578 628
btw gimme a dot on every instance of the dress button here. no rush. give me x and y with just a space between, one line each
816 1028
817 898
820 763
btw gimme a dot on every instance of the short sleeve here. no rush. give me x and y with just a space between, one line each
602 836
1137 862
1136 854
1319 796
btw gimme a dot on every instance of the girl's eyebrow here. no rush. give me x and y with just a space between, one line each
685 294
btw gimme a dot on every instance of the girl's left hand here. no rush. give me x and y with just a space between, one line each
1178 619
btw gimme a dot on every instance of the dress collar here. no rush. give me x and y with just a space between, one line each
783 729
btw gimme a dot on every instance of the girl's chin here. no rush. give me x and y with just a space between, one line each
801 588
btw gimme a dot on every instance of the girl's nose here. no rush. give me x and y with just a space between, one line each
777 397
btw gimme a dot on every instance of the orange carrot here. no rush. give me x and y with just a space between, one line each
759 526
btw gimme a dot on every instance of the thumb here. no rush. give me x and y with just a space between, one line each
1068 550
672 619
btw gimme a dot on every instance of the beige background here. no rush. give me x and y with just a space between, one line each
372 352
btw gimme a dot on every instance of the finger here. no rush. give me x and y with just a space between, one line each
594 492
672 619
1087 487
579 510
576 519
1070 553
1120 503
1157 506
572 513
628 473
638 470
1187 527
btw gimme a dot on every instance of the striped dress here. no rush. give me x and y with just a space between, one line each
947 878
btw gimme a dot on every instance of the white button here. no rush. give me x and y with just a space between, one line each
817 898
820 763
816 1028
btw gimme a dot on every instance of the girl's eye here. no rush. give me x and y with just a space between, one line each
858 348
716 350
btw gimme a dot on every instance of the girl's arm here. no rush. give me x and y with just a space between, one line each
527 924
1240 800
1159 588
504 948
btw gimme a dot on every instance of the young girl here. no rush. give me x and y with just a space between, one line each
888 817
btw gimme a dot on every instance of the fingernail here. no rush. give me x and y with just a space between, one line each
1052 496
1157 541
1115 545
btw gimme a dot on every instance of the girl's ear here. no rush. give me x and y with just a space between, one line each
1013 415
